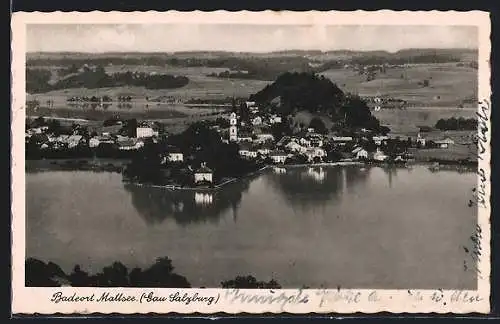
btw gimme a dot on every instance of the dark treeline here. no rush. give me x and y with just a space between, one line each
37 80
292 92
457 124
160 275
405 59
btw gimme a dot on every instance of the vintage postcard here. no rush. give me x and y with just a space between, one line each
283 162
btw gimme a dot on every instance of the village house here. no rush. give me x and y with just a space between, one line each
278 156
247 150
254 109
75 140
257 121
274 119
379 156
94 142
360 153
283 141
265 149
444 143
316 140
245 137
130 144
341 140
144 132
421 141
304 142
174 155
379 140
264 137
315 152
203 174
293 146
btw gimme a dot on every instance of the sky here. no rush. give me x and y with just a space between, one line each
242 38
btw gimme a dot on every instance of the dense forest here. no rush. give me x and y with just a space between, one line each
293 92
37 80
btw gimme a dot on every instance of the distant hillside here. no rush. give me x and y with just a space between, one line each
317 95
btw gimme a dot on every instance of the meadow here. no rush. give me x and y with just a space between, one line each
449 85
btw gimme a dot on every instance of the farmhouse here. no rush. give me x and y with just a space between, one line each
246 150
360 153
175 155
445 143
278 156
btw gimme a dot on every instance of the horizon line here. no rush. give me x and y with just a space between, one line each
257 52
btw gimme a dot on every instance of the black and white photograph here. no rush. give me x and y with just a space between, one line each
254 156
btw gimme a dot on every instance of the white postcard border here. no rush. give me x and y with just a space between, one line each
28 300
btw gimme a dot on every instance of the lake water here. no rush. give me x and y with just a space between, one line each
332 226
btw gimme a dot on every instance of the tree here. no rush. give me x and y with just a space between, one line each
318 125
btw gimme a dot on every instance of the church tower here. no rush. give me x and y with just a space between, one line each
233 128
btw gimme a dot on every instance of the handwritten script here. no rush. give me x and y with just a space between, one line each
267 297
482 141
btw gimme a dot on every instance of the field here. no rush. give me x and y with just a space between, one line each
408 120
450 87
449 84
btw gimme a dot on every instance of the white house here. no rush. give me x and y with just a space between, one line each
315 152
420 140
275 119
203 174
304 141
445 143
257 121
75 140
246 150
293 146
379 156
175 157
143 132
264 150
360 153
380 139
278 156
129 144
341 140
94 142
250 103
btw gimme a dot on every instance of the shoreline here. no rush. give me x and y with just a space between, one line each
117 166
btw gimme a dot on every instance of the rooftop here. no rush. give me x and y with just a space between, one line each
204 169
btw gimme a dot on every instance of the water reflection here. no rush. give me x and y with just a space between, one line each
155 205
316 185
